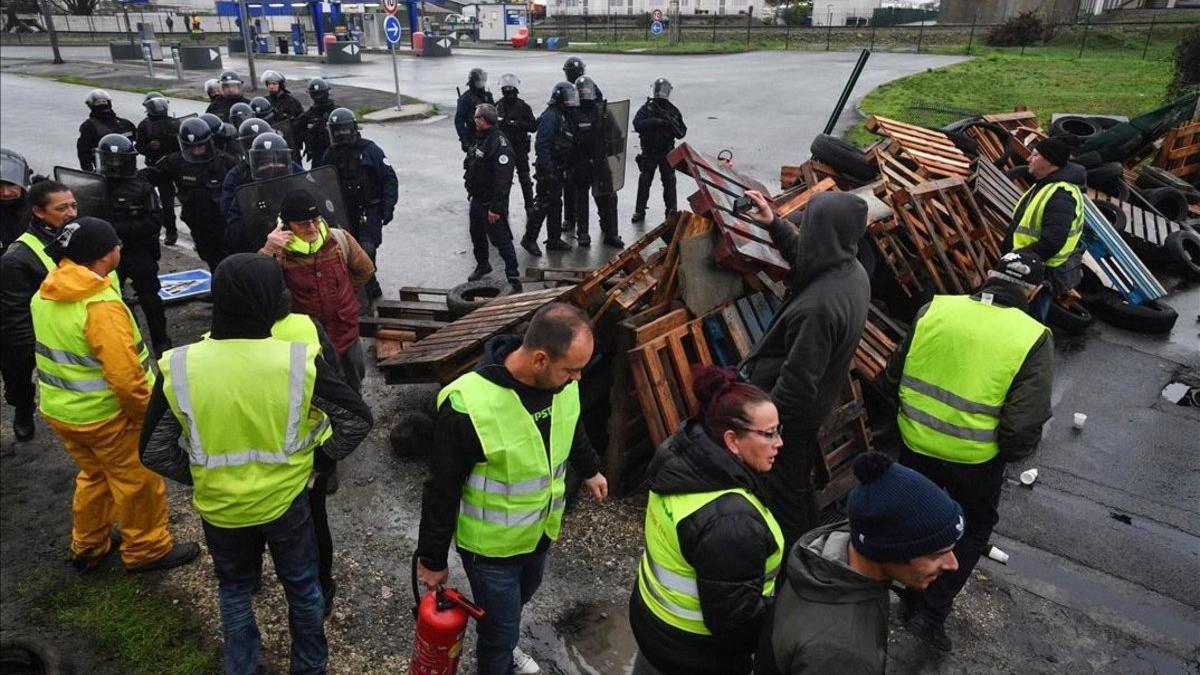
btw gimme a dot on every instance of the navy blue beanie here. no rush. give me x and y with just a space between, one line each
898 514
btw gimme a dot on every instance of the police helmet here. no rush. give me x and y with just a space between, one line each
318 89
261 107
156 104
509 83
564 94
212 87
586 88
226 135
573 68
250 130
342 127
214 123
195 140
240 112
14 169
230 77
274 76
477 78
269 157
98 99
661 89
116 157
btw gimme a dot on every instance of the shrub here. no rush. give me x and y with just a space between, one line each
1021 30
1187 65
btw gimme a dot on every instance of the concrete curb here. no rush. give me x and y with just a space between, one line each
406 113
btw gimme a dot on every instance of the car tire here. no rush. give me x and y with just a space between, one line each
1089 160
1184 248
412 437
843 157
1112 213
466 298
1168 201
1073 319
1153 177
1153 317
19 654
1105 123
1075 125
1106 177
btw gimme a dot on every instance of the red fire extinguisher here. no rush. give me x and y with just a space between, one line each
441 623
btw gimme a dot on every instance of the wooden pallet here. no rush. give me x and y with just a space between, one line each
1180 152
844 436
998 194
805 175
662 376
1140 224
881 339
932 151
590 293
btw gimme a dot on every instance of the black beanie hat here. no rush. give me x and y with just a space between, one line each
85 240
299 205
1055 150
1024 268
898 514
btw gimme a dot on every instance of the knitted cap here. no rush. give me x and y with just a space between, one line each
1023 268
1055 150
86 240
299 205
898 514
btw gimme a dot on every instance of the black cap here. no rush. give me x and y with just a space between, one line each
898 514
86 240
1024 268
1055 150
299 205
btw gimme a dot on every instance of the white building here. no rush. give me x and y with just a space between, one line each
852 12
637 7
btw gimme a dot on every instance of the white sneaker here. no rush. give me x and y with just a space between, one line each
523 664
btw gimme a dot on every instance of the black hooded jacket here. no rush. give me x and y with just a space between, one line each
517 122
14 215
804 357
249 296
727 542
98 125
21 274
1056 226
459 450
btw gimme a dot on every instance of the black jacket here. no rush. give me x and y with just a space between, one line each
727 542
95 127
827 618
659 124
555 143
284 106
220 105
311 131
804 357
157 137
458 451
517 122
1056 226
21 274
197 185
14 215
464 114
135 212
489 171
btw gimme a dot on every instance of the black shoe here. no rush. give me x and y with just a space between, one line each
515 282
23 427
480 272
531 246
614 240
930 632
638 216
85 565
180 554
568 228
557 245
170 238
329 594
331 481
584 239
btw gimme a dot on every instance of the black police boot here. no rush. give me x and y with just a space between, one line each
515 282
557 245
481 271
23 427
583 238
614 240
171 237
638 216
530 244
568 228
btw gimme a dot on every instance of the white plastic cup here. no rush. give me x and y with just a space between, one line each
1029 476
996 554
1080 420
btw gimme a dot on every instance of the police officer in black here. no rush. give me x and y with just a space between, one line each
100 122
196 173
310 127
658 124
594 135
231 92
555 147
267 156
134 211
157 137
285 107
212 89
240 112
468 102
574 68
517 122
368 182
489 171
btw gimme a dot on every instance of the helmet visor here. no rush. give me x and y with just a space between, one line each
13 169
198 153
272 163
340 134
116 164
662 89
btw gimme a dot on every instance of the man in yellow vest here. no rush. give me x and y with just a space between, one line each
23 267
497 481
253 403
1048 220
974 379
94 379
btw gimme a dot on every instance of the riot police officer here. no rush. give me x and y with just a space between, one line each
101 121
310 127
268 157
157 137
574 68
368 183
250 130
555 146
594 135
517 122
240 112
489 171
133 210
231 92
197 171
658 124
468 102
215 125
287 109
212 89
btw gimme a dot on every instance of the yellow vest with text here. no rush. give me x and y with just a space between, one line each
957 374
518 493
666 581
1029 229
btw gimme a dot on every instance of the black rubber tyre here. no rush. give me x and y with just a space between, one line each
1089 160
1105 123
1082 127
1154 177
466 298
1169 202
412 437
963 142
843 157
1105 177
1184 248
1114 215
1120 153
29 655
1072 320
1153 317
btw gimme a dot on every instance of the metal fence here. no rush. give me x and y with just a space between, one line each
101 25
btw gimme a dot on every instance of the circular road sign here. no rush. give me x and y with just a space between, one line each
656 28
392 29
390 6
656 14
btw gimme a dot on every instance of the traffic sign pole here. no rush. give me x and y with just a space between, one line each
396 77
393 32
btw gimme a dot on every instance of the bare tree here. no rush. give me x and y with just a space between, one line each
81 7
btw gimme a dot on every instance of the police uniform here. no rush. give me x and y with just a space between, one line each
310 129
157 137
658 124
236 239
95 127
517 122
555 144
489 171
464 114
590 171
136 216
198 186
369 192
287 112
220 105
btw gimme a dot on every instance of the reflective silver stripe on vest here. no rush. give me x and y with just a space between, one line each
65 357
1028 231
965 433
84 386
672 580
771 574
948 397
296 376
666 603
183 398
498 487
501 517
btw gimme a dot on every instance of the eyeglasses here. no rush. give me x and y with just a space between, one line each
769 434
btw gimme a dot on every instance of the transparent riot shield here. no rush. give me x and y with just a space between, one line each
615 129
89 191
260 202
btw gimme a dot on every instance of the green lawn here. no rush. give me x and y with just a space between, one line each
1046 82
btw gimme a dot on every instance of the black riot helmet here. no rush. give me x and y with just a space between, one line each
226 135
99 100
477 78
586 88
231 83
116 157
342 127
196 141
240 112
212 88
573 68
318 89
250 130
213 122
661 89
565 95
156 105
261 107
269 157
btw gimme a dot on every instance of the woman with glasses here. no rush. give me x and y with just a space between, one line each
713 549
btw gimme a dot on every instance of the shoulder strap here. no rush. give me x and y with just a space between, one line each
339 235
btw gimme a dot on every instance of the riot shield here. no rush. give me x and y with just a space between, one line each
260 202
617 128
89 190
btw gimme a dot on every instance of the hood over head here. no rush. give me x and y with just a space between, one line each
249 296
829 227
691 461
818 569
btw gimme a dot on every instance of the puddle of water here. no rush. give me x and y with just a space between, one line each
589 640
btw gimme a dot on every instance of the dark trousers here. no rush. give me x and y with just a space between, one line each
208 234
16 367
790 492
606 206
366 224
976 488
498 233
503 590
549 206
237 554
166 196
141 268
523 177
569 207
323 467
648 163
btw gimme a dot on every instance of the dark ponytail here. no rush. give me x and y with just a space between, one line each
724 400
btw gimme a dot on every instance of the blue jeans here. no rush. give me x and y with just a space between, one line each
502 590
1039 307
237 556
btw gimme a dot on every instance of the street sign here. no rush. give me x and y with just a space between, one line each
656 28
390 6
656 15
392 29
444 43
352 49
213 55
182 285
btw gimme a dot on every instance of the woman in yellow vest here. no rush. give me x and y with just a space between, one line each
713 549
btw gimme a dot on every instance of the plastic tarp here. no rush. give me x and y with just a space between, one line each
260 202
1122 140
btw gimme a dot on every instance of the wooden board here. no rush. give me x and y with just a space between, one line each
1140 224
1180 152
844 436
934 153
662 376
